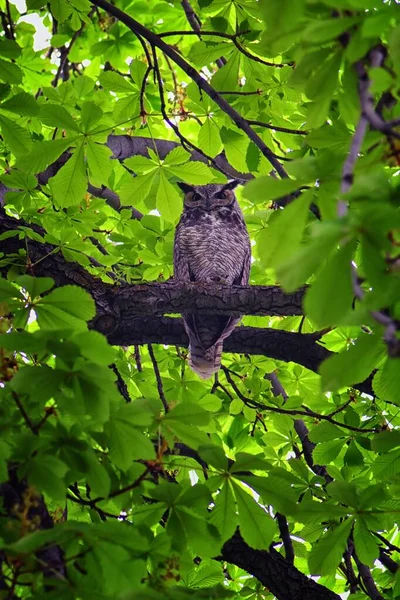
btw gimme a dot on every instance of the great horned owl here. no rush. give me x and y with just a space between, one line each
211 245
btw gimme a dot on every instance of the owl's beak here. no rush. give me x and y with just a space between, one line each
208 205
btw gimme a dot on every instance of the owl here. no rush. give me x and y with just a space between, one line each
212 246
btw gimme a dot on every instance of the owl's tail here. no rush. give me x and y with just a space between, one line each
205 362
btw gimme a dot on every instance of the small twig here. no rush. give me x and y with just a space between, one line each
350 574
306 413
158 378
202 83
184 141
127 488
285 537
231 37
191 16
121 385
276 128
24 413
64 52
239 93
10 21
389 545
138 359
368 580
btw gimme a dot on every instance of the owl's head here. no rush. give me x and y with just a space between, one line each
211 196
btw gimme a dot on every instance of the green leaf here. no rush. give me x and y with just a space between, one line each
43 154
394 46
70 183
8 291
46 472
386 382
209 138
15 136
269 188
9 48
331 295
99 162
188 413
55 115
168 201
385 441
274 490
326 554
67 305
114 82
177 156
327 29
344 492
127 443
94 346
326 452
366 544
10 72
325 432
35 285
256 526
288 225
23 104
296 270
192 172
352 366
139 187
235 145
223 515
91 115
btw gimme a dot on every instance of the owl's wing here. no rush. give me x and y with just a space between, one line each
181 263
210 329
243 278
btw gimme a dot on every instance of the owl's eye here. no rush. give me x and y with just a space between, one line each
195 197
221 195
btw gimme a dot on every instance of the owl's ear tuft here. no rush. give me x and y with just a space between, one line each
185 187
232 184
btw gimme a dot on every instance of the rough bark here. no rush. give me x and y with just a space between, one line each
280 345
280 577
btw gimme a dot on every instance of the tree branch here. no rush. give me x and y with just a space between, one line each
156 41
281 578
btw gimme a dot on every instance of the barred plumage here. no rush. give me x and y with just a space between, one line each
211 245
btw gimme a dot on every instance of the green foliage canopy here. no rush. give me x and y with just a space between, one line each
122 474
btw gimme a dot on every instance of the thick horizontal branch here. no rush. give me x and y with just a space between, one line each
280 577
118 318
277 344
156 299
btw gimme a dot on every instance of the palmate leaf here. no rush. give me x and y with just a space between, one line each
331 295
168 200
99 162
15 136
327 552
10 72
43 154
235 145
224 514
282 238
209 138
22 104
71 300
114 82
256 526
191 172
366 544
353 365
70 183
